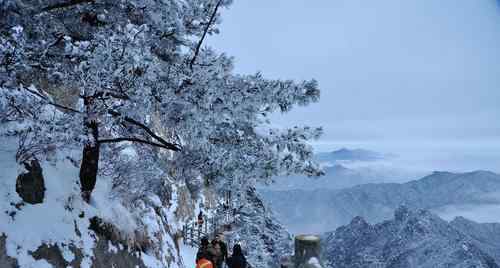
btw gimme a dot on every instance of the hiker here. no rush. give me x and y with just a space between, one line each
237 260
218 243
220 250
200 218
206 251
204 261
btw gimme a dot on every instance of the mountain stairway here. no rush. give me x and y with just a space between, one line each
208 226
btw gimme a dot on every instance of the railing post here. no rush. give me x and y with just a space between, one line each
184 234
199 231
192 235
206 225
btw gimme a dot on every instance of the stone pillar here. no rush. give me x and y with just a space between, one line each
306 247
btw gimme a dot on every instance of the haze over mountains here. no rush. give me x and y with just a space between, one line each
345 154
374 213
357 184
324 210
346 168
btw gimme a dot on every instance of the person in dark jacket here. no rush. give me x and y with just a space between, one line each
220 249
206 251
237 260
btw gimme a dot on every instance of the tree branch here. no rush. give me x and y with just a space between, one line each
45 98
132 139
65 4
159 139
197 51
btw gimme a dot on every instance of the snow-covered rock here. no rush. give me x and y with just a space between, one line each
485 235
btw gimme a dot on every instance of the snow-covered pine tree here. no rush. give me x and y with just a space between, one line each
101 75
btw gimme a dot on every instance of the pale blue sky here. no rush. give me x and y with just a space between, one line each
388 69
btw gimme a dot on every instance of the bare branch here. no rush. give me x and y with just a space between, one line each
45 98
197 51
65 4
132 139
159 139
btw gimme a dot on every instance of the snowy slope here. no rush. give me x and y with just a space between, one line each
61 223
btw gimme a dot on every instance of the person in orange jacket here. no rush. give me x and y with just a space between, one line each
203 262
206 254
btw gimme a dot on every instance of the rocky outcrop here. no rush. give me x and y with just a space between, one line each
106 254
30 185
484 235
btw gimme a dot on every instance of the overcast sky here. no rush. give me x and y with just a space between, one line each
388 69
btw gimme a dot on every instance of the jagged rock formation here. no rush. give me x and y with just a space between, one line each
412 239
324 210
485 235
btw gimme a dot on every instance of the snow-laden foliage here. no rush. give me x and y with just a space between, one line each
131 86
101 73
265 241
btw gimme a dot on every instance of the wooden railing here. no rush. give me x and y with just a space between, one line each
194 230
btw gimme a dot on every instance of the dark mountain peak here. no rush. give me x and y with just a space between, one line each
342 150
339 168
438 179
414 238
440 173
448 174
417 223
483 172
462 221
345 154
359 222
358 228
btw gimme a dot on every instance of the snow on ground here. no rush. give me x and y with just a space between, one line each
55 220
188 255
51 222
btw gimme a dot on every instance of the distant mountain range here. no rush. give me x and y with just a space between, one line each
323 210
339 176
345 154
342 170
413 238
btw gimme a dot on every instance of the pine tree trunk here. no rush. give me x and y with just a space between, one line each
90 162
